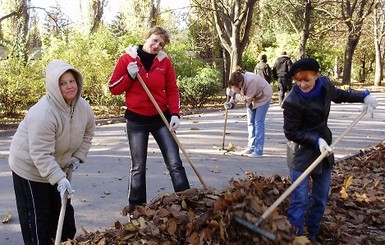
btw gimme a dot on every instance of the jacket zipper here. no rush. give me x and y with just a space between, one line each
72 109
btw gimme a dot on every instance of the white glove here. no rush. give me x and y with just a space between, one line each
371 102
323 146
229 92
174 123
132 69
75 162
229 105
64 185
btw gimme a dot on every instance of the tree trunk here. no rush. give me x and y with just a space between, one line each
363 70
348 58
96 12
153 19
19 44
379 74
226 67
378 27
353 13
233 23
306 28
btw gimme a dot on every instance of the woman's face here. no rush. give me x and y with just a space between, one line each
154 44
240 84
68 86
306 83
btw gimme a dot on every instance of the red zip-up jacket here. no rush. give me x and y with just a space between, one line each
160 80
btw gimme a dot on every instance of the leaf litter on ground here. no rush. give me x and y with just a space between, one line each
355 213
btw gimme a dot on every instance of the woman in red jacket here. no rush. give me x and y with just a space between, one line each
142 118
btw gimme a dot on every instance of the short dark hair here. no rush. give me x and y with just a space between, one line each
236 77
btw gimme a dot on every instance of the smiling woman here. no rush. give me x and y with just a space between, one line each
55 134
68 87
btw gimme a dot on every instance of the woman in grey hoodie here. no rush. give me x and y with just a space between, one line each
56 133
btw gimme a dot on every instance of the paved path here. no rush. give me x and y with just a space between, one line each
101 183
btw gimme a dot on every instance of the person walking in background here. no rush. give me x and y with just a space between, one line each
142 118
281 73
56 133
306 111
256 93
263 69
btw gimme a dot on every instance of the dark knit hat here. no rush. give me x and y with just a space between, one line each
304 64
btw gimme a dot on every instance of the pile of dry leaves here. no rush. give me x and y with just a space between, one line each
355 213
356 208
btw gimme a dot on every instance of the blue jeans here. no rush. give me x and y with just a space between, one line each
256 127
308 208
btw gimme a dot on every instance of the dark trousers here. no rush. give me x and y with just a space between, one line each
284 87
138 136
38 206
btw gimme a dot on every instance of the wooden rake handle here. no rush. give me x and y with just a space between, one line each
181 147
225 125
63 210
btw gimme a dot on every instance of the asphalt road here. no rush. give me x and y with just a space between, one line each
101 183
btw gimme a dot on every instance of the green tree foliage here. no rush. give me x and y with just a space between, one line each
196 91
183 58
249 61
21 86
94 56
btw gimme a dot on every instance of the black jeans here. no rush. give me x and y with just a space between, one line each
38 206
138 136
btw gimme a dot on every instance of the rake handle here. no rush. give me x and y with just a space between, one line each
225 125
181 147
224 129
63 208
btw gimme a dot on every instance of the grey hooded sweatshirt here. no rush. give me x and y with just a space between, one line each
52 131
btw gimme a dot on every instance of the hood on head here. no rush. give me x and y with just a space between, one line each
55 69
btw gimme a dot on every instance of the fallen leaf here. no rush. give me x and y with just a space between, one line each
7 218
348 181
344 195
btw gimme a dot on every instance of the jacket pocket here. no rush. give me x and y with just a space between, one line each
291 149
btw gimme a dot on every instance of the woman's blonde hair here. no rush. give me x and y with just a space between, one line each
159 31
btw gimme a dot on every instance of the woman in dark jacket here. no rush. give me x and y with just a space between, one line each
306 111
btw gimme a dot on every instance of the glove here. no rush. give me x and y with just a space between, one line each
371 102
323 146
229 92
64 185
229 105
174 123
75 162
132 69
